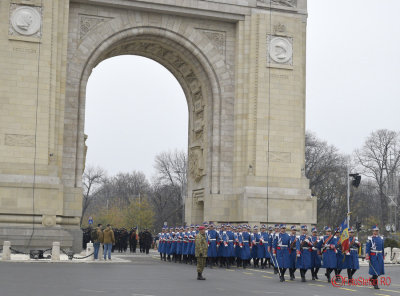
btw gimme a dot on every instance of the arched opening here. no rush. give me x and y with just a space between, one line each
200 86
129 103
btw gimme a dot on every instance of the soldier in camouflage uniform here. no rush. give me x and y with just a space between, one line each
201 252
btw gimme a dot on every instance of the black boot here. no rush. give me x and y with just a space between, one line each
313 274
291 272
275 270
303 275
200 276
316 273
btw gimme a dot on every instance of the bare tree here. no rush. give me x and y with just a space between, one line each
325 167
379 160
171 170
92 179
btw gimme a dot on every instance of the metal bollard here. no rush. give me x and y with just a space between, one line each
89 250
55 251
6 251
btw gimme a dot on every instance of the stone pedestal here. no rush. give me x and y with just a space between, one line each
89 250
6 251
55 252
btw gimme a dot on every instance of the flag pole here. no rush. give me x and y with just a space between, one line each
348 197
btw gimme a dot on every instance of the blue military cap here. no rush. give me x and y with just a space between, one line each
197 225
270 228
263 226
255 227
293 227
228 225
314 229
282 226
375 227
211 225
304 227
327 228
276 225
171 228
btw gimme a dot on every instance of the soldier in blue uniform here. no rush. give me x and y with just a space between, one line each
185 245
315 257
340 262
212 239
352 257
230 249
304 249
244 241
269 248
179 245
169 243
220 245
293 238
327 247
272 239
254 242
161 243
374 254
262 246
237 235
281 250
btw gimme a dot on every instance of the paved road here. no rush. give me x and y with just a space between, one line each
147 275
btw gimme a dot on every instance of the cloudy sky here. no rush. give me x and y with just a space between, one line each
136 108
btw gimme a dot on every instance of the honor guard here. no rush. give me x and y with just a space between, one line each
274 235
244 241
212 239
230 248
262 246
304 249
255 240
281 251
327 245
374 255
315 257
352 257
340 262
292 251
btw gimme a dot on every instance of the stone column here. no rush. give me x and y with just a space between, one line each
55 252
6 251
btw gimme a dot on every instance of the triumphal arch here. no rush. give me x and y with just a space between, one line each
241 64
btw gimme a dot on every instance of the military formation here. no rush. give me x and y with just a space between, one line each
272 247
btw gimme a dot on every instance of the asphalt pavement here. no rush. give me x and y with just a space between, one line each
148 275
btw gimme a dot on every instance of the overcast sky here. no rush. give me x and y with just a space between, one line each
135 108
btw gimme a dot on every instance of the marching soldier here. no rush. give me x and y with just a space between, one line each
315 257
273 258
281 251
340 263
262 246
269 248
304 249
244 241
201 252
327 245
292 252
352 257
161 242
237 235
230 248
185 244
374 254
220 245
254 240
212 237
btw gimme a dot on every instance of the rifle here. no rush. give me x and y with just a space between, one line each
292 245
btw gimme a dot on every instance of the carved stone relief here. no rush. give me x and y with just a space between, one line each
218 39
280 50
196 163
279 156
19 140
288 3
25 20
88 22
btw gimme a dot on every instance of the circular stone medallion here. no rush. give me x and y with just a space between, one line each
26 20
280 50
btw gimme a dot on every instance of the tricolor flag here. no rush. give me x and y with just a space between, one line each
344 237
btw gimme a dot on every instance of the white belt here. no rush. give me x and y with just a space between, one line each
372 251
212 239
283 246
245 241
230 240
353 249
305 248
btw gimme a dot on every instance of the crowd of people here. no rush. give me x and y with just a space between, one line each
117 239
272 247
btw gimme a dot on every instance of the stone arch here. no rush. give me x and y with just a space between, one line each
202 73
